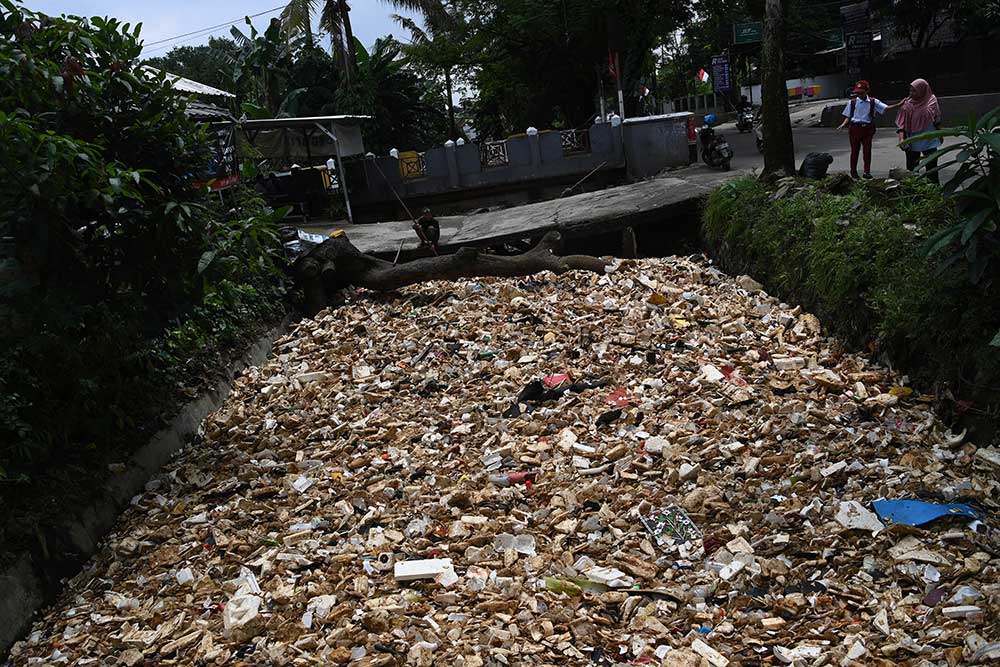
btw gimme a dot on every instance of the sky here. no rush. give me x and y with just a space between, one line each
166 19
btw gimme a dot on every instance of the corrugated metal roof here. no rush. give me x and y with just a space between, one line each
189 86
207 111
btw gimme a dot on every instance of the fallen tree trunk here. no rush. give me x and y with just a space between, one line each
336 264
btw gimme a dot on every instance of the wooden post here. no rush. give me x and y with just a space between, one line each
630 246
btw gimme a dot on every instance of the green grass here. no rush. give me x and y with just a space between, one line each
857 260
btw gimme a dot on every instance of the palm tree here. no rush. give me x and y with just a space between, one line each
296 19
336 21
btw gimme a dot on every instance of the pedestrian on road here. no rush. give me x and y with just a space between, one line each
920 114
860 115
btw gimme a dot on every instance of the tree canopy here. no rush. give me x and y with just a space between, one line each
537 62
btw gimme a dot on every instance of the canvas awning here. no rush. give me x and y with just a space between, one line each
306 138
306 121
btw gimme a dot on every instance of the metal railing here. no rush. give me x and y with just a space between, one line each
412 166
493 154
575 142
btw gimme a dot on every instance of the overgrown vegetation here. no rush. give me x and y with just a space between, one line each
122 284
858 260
975 187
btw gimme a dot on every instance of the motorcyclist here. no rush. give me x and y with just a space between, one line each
744 105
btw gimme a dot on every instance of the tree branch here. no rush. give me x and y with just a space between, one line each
337 263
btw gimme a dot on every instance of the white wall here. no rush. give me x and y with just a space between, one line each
831 86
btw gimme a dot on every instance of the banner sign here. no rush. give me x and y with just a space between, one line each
310 145
720 74
224 167
748 33
859 52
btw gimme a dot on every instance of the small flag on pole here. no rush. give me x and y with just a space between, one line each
645 91
703 76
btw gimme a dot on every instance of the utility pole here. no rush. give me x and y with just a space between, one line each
600 85
451 103
779 151
618 78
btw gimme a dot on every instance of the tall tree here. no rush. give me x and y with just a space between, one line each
261 66
336 21
779 151
532 60
439 44
918 21
390 90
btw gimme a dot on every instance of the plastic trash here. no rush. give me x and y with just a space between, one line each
965 595
670 525
526 477
919 513
815 165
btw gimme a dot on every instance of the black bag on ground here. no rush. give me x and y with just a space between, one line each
815 165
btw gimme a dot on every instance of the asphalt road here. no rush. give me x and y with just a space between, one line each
886 153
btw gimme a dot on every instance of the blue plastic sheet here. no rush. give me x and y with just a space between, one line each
919 513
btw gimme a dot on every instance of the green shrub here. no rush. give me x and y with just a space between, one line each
975 188
123 284
858 261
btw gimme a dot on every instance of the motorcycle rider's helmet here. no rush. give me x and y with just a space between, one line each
710 119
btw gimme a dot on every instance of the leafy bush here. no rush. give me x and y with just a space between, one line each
99 156
858 261
123 284
976 189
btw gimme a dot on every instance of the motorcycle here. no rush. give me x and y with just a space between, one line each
715 150
744 120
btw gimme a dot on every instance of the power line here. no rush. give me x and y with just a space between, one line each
172 45
198 33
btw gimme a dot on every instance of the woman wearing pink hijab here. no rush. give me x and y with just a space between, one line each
920 114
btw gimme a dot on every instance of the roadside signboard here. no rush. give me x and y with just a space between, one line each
859 52
223 170
748 33
721 82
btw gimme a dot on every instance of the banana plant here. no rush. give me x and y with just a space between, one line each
262 63
975 187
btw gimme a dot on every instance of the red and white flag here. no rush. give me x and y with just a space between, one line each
645 91
703 76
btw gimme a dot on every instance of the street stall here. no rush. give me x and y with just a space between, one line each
302 158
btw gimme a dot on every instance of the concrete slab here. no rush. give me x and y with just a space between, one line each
577 216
